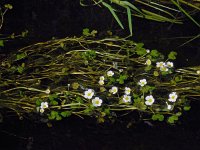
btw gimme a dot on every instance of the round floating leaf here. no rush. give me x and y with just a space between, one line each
187 108
172 55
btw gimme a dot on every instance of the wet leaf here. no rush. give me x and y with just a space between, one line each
1 43
172 55
66 113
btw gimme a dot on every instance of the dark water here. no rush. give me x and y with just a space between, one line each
45 19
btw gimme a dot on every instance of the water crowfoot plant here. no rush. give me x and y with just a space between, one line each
100 78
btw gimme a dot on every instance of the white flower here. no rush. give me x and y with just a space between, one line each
110 73
148 62
164 68
170 64
160 64
89 93
101 82
121 70
44 105
169 107
198 71
41 110
113 90
97 101
172 97
147 50
101 78
149 100
142 82
126 98
127 90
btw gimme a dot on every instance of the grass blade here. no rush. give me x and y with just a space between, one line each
129 21
132 6
114 14
187 14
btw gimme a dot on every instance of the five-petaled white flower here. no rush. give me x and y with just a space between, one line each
101 78
110 73
101 82
172 97
149 100
148 62
89 93
43 106
160 64
127 90
97 101
170 64
142 82
164 68
113 90
126 98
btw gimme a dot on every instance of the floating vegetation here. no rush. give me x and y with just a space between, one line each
101 78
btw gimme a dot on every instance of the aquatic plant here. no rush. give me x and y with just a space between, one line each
163 11
101 78
5 38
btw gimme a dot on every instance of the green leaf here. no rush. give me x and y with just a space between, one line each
172 119
25 33
148 68
58 117
140 50
54 103
21 56
113 13
155 73
178 78
87 111
187 108
9 6
1 43
86 32
122 78
161 118
93 33
158 117
172 55
66 113
53 115
38 102
79 99
107 111
178 114
154 53
20 69
53 97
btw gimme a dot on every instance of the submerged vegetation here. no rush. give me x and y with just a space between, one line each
101 78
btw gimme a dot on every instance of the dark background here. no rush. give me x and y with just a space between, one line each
45 19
